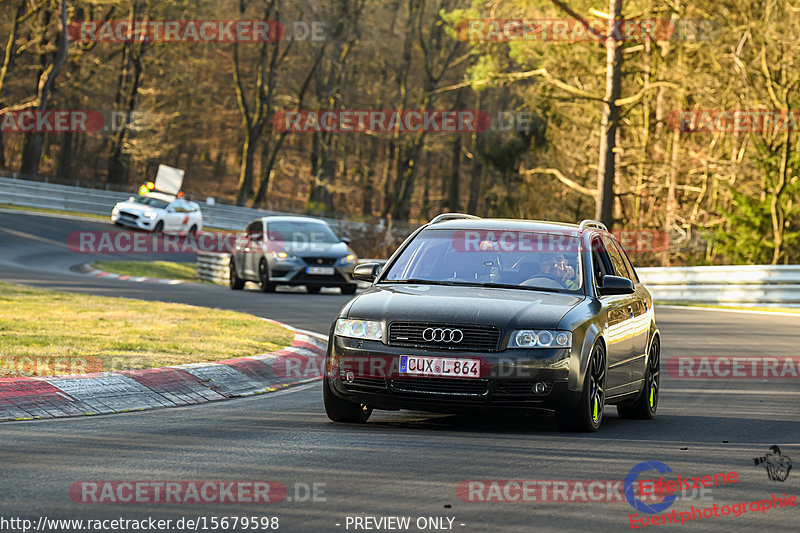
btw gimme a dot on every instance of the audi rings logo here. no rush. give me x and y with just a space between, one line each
443 335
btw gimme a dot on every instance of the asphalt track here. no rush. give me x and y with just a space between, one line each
399 464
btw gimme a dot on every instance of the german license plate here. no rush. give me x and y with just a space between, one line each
320 271
440 366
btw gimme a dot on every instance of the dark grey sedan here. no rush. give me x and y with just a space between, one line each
473 315
292 250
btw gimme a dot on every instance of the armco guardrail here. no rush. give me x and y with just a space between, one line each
748 285
216 267
29 193
213 267
725 285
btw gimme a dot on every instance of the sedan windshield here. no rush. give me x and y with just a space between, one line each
491 258
301 232
152 202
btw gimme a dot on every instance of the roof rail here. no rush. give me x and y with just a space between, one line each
452 216
592 224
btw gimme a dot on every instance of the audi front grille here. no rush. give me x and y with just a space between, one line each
440 386
444 336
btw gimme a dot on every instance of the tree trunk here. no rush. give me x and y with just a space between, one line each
453 202
245 186
34 142
610 121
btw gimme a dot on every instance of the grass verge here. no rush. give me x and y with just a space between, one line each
150 269
45 332
55 211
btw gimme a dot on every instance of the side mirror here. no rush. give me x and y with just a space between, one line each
616 285
346 241
366 272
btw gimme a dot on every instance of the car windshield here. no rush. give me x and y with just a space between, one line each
491 258
152 202
301 232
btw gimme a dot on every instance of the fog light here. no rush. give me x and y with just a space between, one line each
539 387
349 376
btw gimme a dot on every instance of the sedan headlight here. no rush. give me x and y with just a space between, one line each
528 338
349 259
359 329
152 215
115 211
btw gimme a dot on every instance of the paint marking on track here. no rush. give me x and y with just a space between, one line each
729 391
753 312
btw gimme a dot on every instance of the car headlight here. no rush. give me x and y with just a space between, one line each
283 256
359 329
115 211
529 338
151 215
349 259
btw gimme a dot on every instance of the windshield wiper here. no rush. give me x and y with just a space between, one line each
521 287
417 281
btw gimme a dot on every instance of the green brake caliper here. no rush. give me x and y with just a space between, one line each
652 397
595 413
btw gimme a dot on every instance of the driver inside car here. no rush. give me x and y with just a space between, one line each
557 266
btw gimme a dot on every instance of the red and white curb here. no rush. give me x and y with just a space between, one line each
136 390
89 270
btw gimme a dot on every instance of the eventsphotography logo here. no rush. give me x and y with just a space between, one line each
665 490
775 463
631 483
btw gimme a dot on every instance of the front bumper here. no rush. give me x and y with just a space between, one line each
368 372
284 273
133 221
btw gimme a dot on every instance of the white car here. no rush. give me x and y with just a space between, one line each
158 212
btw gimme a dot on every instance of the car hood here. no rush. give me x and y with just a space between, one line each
136 208
505 308
302 249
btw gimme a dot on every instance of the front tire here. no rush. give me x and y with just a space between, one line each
349 289
263 278
340 410
159 227
236 283
646 405
588 414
